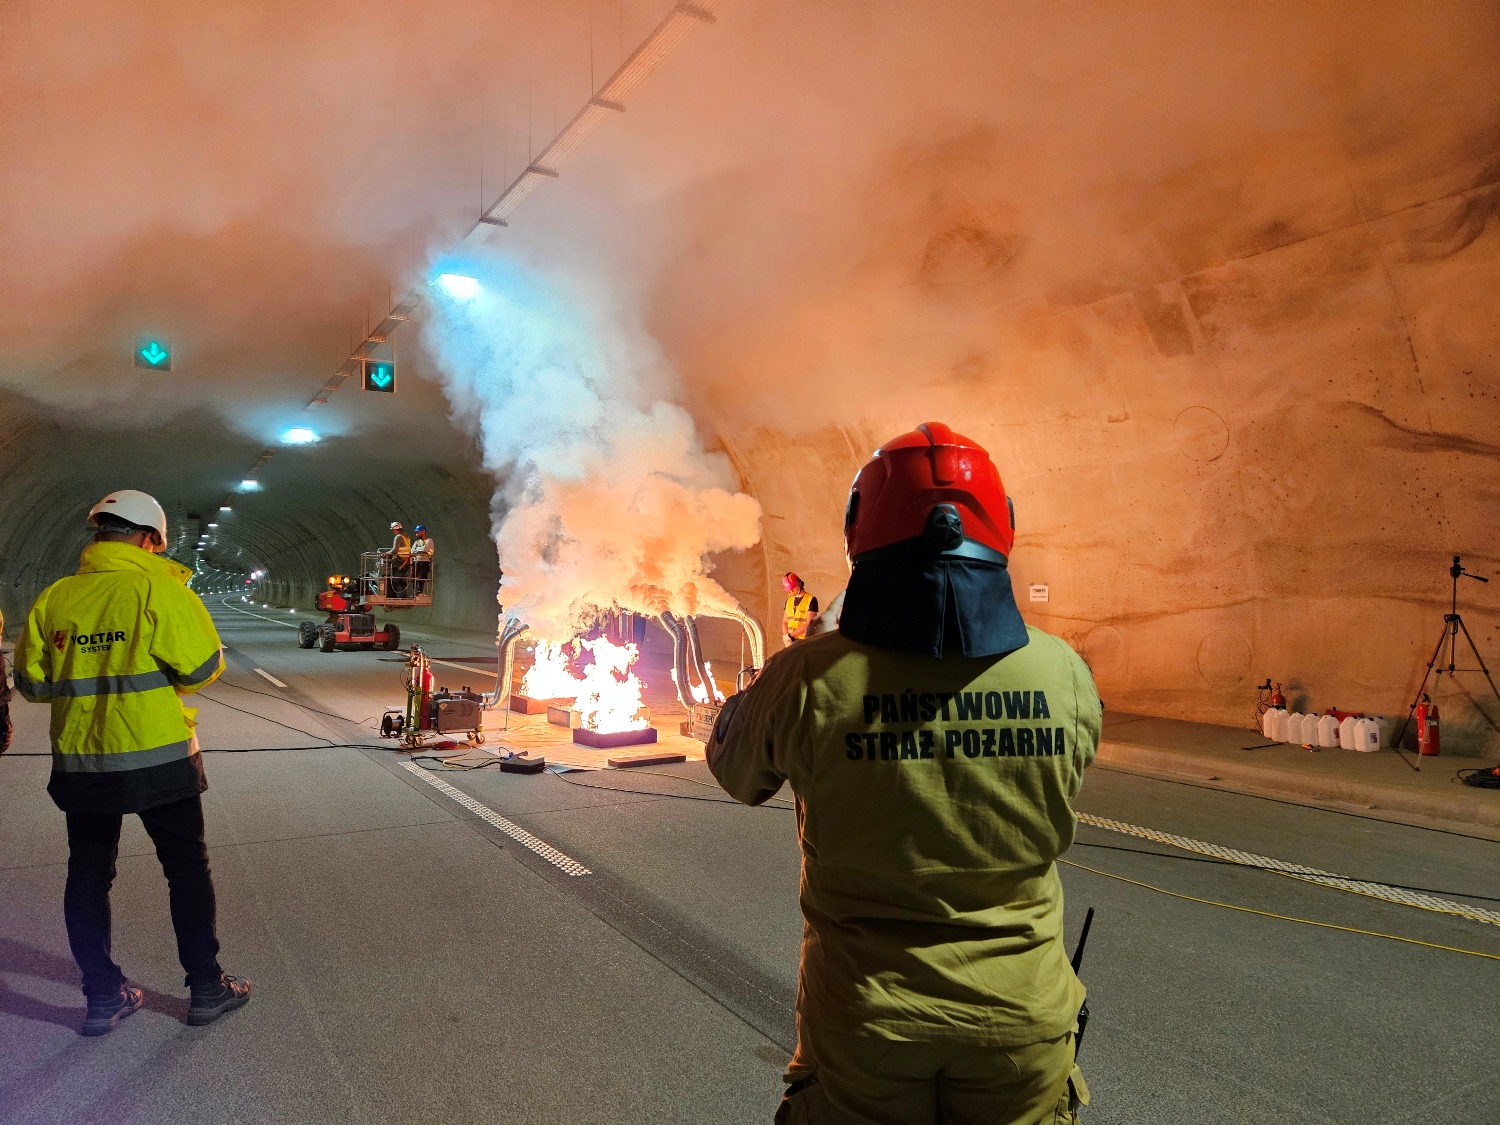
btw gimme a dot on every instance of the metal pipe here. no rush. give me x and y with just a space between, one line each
679 659
695 647
752 631
505 660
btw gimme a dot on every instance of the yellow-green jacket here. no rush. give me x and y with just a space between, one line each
933 796
112 648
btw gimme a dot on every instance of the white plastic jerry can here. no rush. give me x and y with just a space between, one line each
1268 722
1346 732
1277 731
1367 736
1310 729
1328 731
1293 727
1385 731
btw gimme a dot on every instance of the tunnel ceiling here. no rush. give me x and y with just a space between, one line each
1215 283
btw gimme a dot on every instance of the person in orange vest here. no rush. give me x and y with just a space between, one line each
800 608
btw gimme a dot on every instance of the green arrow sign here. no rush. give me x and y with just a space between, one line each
380 375
153 353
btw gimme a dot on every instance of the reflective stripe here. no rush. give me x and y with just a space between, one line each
31 690
110 685
119 763
201 673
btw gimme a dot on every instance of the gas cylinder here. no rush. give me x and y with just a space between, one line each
1427 727
1367 736
1277 698
1328 731
425 704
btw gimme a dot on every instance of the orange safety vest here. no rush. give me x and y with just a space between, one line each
794 620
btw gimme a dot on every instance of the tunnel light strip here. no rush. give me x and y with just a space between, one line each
1382 891
564 863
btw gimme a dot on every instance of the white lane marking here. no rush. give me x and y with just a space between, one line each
1383 891
260 616
268 676
461 667
564 863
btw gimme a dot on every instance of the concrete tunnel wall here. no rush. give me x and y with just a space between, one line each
1257 466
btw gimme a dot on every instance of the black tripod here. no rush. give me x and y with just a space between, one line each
1453 624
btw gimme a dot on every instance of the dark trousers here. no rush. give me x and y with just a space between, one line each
93 845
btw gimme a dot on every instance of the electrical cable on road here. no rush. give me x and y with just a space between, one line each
1281 917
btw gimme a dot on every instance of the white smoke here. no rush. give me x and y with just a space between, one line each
607 498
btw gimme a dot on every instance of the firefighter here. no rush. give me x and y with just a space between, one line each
800 607
934 744
397 560
112 648
423 551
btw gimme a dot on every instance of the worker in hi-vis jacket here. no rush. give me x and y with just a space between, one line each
113 649
800 608
934 744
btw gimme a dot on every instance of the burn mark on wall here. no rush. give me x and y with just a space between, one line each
1372 426
1161 311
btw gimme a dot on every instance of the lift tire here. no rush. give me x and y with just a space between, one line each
307 635
392 638
327 638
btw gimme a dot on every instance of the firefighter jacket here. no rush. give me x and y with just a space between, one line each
112 648
933 796
799 608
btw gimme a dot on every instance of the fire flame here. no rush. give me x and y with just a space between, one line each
608 697
549 676
707 692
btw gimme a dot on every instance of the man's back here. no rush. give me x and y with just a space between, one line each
935 795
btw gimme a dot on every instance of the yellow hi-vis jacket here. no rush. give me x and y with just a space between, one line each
112 648
799 607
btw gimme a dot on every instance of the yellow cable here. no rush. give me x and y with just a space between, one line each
1282 917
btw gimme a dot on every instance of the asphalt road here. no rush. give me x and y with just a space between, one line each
414 963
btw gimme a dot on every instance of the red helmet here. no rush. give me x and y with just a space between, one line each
790 581
931 485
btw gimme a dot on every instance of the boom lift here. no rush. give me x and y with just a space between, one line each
351 600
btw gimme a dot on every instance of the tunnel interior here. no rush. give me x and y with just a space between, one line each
1222 310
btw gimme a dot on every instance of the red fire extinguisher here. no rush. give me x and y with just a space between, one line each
1278 700
1427 727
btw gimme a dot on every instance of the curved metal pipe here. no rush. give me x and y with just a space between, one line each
699 664
505 662
670 623
752 630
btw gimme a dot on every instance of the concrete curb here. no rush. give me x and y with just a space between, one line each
1465 811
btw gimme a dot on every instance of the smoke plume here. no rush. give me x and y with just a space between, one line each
608 498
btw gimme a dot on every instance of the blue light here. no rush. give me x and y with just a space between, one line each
459 286
299 435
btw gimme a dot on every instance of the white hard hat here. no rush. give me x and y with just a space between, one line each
132 507
395 525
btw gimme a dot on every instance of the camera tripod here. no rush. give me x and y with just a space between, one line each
1453 624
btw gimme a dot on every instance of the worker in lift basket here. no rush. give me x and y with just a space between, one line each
112 648
423 551
800 608
397 558
934 744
